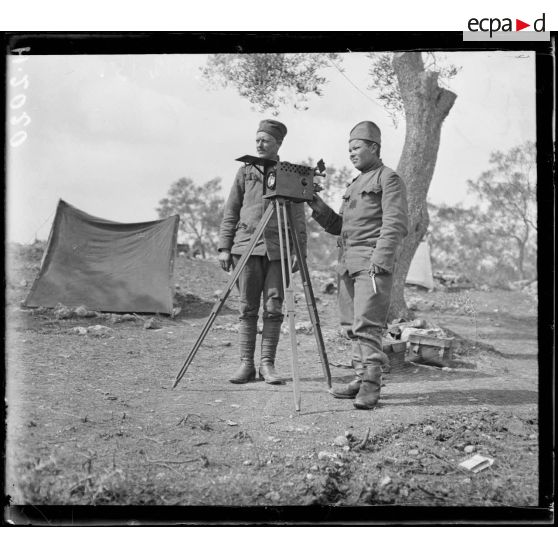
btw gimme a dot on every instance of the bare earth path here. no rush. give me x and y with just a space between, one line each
94 419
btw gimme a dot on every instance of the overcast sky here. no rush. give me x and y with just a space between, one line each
109 134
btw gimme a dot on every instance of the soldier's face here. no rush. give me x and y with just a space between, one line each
266 145
362 156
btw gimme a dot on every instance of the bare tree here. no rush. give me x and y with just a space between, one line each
508 195
406 85
200 209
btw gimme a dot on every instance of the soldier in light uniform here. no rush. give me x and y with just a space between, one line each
262 275
371 225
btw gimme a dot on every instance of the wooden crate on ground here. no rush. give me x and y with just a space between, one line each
427 349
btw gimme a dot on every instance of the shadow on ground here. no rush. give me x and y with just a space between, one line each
202 309
474 397
420 374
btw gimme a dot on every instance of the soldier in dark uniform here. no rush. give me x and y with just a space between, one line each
262 275
371 225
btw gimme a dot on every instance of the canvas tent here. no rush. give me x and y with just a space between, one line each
420 270
105 265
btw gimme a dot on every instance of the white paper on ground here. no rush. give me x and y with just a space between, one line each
477 463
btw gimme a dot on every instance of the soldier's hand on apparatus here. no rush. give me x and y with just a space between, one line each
225 259
295 267
377 270
315 202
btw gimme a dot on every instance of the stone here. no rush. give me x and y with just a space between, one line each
273 496
341 441
327 455
81 311
151 323
304 327
100 331
63 312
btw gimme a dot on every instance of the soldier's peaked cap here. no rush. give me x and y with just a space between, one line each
273 127
366 130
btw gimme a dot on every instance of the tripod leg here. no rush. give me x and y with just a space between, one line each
289 298
230 285
309 295
291 307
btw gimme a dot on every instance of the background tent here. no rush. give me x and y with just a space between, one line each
420 270
105 265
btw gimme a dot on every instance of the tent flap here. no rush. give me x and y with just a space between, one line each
105 265
420 270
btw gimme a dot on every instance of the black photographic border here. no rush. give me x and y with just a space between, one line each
343 41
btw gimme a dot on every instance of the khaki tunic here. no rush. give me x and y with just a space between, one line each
371 223
244 209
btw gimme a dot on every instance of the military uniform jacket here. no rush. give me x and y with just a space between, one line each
243 211
371 223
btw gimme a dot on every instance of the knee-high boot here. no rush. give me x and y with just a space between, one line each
369 393
247 343
270 339
350 390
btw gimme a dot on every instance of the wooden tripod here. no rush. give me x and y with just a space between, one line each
285 221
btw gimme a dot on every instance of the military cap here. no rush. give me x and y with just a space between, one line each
366 130
273 127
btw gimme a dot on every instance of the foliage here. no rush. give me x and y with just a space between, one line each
386 85
200 209
493 242
269 80
507 192
459 244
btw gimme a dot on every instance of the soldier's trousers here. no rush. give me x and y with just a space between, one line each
363 314
260 277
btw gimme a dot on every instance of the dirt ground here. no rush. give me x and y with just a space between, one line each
93 420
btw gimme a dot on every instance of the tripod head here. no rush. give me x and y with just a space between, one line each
286 180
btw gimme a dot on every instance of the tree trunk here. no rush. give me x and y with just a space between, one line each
426 106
